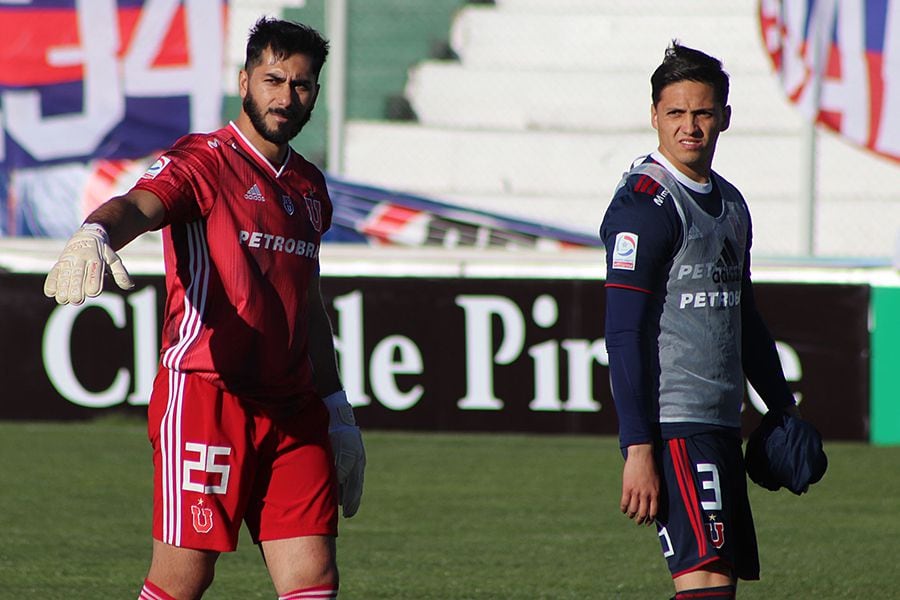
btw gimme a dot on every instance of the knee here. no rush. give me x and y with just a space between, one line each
204 579
715 575
325 573
182 586
173 586
722 592
183 574
298 563
714 581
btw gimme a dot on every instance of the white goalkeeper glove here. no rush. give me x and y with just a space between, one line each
80 268
349 453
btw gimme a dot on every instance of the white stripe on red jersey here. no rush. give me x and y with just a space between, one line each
194 296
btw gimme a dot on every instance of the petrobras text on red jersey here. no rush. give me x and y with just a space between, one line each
279 243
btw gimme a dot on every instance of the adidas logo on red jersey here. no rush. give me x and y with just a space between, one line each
254 194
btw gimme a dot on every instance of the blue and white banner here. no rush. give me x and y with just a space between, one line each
839 62
88 90
100 79
378 216
92 90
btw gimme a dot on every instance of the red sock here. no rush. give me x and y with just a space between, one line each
152 592
318 592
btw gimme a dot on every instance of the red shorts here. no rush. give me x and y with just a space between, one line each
219 461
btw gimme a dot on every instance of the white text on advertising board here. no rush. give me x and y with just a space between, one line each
392 356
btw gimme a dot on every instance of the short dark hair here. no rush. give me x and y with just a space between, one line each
686 64
285 38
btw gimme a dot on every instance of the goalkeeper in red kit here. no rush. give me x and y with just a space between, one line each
247 418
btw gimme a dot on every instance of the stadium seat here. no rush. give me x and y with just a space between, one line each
549 102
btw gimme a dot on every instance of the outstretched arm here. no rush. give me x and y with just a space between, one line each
91 251
126 217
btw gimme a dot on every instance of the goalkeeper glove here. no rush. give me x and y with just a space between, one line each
80 268
349 453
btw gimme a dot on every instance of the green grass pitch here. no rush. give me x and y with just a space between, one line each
444 517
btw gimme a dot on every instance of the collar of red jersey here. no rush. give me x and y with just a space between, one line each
249 146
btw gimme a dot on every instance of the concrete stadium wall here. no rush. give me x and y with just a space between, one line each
386 37
549 103
534 108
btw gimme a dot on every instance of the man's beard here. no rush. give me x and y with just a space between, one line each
281 134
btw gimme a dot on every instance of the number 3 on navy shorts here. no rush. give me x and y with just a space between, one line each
210 470
708 476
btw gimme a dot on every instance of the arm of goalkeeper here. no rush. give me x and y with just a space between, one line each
349 452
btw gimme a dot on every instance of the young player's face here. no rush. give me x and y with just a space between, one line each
279 95
688 120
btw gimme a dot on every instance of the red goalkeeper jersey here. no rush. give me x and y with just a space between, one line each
241 242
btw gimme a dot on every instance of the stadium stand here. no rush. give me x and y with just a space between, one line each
548 102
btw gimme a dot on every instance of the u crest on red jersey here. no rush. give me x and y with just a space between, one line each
314 210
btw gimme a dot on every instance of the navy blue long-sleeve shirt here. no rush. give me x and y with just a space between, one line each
633 296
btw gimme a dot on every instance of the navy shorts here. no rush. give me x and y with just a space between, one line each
704 511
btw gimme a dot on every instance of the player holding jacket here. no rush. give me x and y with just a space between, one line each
247 416
682 331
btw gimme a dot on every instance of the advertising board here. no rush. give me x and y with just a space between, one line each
433 354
